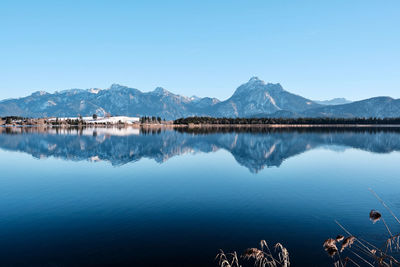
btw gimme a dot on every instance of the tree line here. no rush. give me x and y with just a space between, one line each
287 121
280 130
148 119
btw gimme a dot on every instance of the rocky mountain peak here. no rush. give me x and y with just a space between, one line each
94 90
255 79
39 93
116 86
194 98
160 91
256 85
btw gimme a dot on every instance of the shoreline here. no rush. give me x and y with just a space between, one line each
292 125
207 126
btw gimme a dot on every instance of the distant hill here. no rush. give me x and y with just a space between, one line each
335 101
380 107
252 99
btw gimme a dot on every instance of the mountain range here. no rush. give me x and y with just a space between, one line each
252 99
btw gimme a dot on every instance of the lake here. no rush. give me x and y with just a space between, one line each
165 197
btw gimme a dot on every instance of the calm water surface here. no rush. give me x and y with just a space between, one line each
174 198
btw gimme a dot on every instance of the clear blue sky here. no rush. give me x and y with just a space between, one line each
318 49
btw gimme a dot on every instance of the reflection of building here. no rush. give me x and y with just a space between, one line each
105 120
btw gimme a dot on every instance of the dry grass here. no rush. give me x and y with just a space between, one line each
375 216
262 257
330 247
354 251
227 260
359 252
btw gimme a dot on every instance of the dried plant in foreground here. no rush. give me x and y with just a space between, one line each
362 253
330 247
354 251
347 242
263 257
339 238
375 216
230 260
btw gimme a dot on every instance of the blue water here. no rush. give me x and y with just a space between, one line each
174 198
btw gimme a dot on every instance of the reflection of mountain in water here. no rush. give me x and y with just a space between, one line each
252 149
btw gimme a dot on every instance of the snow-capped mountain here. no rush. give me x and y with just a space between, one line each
254 98
116 100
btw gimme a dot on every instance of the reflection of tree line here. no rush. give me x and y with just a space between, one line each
204 130
151 131
324 129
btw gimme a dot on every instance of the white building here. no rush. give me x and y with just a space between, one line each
113 120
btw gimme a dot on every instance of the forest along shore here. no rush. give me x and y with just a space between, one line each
203 122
